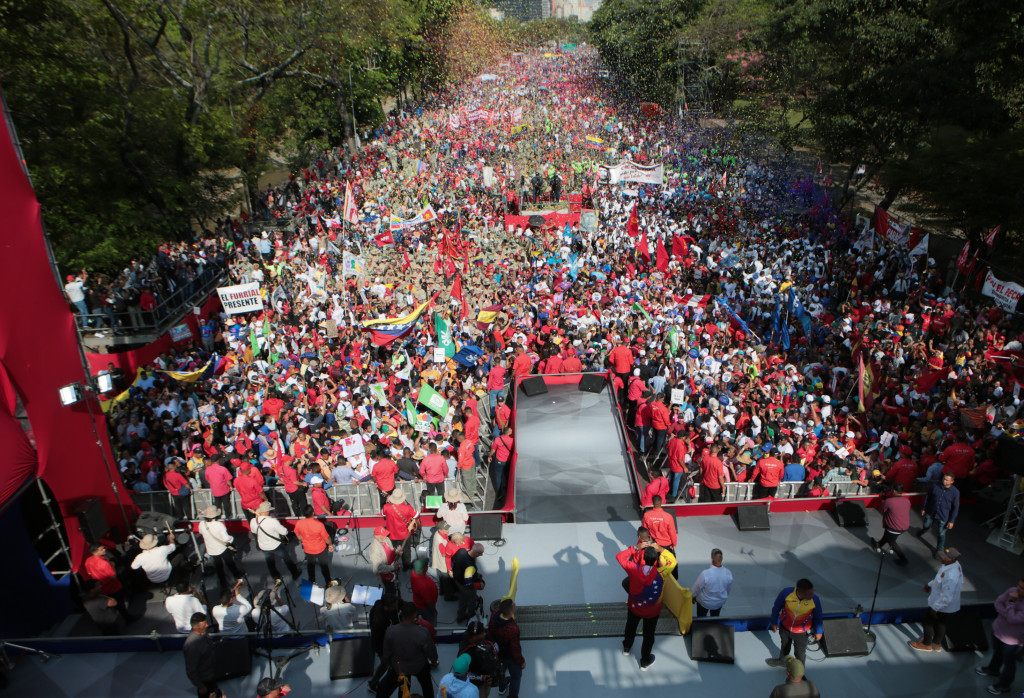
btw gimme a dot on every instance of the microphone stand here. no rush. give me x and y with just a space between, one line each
878 578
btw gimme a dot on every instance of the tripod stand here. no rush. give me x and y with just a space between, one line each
264 646
878 578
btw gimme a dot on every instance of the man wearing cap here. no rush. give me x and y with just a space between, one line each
456 683
796 685
401 521
219 545
384 559
1007 636
796 614
321 502
768 474
272 688
316 544
943 601
453 512
941 507
153 560
201 658
408 650
895 521
272 539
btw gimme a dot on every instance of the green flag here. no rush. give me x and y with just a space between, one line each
639 308
254 340
377 390
444 335
266 328
410 412
432 400
673 339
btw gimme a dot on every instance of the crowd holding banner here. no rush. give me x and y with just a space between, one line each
724 287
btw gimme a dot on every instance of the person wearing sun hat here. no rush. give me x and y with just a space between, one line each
384 559
402 523
272 539
453 511
219 544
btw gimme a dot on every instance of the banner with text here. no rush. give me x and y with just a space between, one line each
244 298
629 171
1006 294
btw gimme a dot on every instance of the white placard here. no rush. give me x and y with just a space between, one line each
366 596
243 298
352 446
439 357
678 396
179 333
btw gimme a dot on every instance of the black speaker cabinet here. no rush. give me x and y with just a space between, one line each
90 517
233 658
1010 455
844 637
592 382
850 514
964 633
713 642
351 658
485 526
153 522
534 386
753 517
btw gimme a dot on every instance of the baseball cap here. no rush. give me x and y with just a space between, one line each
794 667
267 686
380 531
461 664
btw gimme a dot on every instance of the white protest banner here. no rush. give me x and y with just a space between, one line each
424 216
678 396
439 355
488 176
244 298
352 265
629 171
1006 294
352 446
179 333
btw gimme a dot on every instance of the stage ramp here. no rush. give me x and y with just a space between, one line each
573 462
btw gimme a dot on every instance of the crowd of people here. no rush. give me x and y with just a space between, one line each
753 333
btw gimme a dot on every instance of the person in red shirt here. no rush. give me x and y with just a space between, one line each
660 422
321 502
677 449
644 603
712 476
424 591
658 486
433 470
384 472
642 422
98 567
402 522
181 492
472 430
571 363
903 471
958 458
466 464
523 364
662 527
768 474
294 486
502 415
501 456
316 543
249 485
218 477
495 383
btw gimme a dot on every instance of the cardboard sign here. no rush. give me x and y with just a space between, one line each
678 396
439 355
352 446
180 333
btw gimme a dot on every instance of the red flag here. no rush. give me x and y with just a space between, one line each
405 257
465 262
643 248
384 238
351 213
449 267
662 257
437 263
928 381
860 384
990 239
680 248
457 293
633 224
961 261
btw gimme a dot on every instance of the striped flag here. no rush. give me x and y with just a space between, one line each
691 300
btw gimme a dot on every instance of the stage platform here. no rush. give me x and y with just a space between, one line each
572 461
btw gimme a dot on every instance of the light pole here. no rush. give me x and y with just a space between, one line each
352 100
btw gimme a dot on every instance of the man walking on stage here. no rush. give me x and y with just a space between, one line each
712 587
895 521
796 613
644 602
943 601
941 507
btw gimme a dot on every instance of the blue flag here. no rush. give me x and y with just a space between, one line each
789 300
775 319
784 341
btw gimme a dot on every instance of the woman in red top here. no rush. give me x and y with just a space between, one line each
181 493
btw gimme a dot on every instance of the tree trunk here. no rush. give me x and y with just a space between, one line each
890 196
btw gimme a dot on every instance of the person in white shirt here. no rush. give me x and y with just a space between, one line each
182 605
943 601
273 609
337 613
232 611
219 545
712 587
153 560
272 538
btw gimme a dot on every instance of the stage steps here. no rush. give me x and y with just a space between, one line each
582 620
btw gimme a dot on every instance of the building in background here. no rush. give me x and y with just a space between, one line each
528 10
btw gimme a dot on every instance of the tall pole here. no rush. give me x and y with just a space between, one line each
352 100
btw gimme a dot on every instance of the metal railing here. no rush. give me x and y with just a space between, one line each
744 491
138 321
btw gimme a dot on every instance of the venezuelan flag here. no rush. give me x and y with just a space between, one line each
383 332
488 315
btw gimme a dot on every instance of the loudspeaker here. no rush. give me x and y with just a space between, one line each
964 633
351 658
713 642
850 514
233 658
592 382
90 517
1010 455
485 526
753 517
153 522
844 637
534 385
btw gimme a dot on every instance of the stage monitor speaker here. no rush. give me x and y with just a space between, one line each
351 658
964 633
534 386
844 637
713 642
1010 455
90 517
850 514
753 517
592 382
153 522
485 526
233 658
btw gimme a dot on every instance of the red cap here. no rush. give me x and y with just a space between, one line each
70 277
380 531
